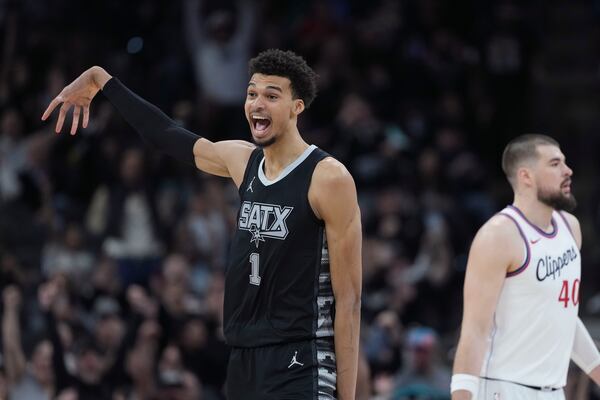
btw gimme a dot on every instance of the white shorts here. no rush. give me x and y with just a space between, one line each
500 390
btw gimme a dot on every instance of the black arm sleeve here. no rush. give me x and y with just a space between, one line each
151 123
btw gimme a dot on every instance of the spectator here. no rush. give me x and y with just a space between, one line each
126 216
220 45
68 256
84 378
207 227
32 380
174 381
13 154
204 354
423 375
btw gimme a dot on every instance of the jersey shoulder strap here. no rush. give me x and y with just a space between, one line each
254 159
315 157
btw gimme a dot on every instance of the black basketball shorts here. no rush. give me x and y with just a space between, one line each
291 371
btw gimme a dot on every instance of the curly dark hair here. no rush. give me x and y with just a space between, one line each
288 65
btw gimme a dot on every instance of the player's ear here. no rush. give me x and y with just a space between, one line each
297 107
525 176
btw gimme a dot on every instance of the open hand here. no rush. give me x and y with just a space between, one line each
78 94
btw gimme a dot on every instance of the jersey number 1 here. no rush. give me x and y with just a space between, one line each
254 264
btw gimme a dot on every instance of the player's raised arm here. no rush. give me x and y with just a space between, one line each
492 254
226 158
333 197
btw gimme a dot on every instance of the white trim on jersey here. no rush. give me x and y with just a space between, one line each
286 171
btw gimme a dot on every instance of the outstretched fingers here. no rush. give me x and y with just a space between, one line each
61 117
86 116
76 113
53 104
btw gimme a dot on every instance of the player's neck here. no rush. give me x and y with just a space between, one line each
283 152
536 212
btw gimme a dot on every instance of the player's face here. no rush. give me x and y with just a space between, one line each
270 108
553 178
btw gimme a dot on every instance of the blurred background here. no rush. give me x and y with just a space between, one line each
112 256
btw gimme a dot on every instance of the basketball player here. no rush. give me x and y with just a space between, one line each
520 326
294 276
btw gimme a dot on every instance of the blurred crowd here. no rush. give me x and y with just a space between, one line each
112 256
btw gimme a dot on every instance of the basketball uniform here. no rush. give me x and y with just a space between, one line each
279 305
530 343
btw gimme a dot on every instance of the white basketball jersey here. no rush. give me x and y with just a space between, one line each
534 324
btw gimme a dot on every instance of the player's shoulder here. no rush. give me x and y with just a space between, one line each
500 223
498 230
332 189
497 243
574 226
571 219
331 172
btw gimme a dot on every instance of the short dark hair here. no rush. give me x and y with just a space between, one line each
288 65
520 149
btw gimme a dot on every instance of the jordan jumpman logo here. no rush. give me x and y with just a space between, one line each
249 188
294 361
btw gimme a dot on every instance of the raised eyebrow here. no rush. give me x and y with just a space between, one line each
275 88
267 87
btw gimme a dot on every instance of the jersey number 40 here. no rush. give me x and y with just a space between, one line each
572 290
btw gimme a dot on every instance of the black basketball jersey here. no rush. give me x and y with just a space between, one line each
278 285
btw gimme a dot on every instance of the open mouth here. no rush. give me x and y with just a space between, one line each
260 123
